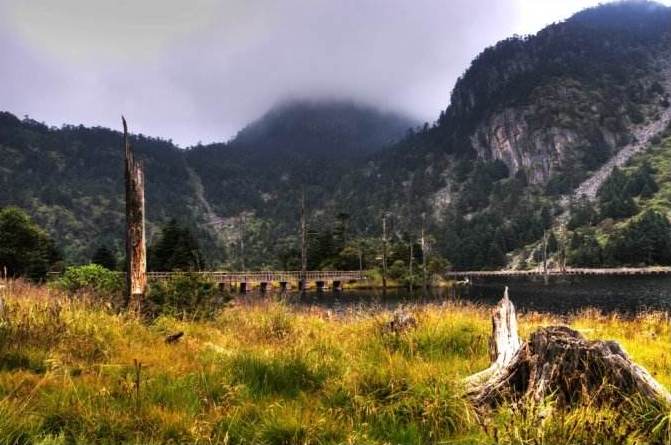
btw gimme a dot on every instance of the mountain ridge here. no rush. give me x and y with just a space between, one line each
529 121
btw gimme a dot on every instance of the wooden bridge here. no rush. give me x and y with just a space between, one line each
616 271
245 280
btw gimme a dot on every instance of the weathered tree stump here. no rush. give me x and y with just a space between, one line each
504 342
558 361
401 321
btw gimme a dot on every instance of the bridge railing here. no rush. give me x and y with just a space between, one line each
653 270
267 276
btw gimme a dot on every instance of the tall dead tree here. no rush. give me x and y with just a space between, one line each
384 253
304 246
136 249
242 242
410 261
424 255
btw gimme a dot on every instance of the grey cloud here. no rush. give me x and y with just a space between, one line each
200 70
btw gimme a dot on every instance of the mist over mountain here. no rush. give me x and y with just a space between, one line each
71 178
528 122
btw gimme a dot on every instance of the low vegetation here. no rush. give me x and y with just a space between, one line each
73 370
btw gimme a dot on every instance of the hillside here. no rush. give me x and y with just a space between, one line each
71 179
529 121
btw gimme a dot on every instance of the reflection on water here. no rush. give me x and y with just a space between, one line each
561 295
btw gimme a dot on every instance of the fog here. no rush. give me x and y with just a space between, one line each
201 70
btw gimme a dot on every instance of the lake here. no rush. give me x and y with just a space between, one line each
562 295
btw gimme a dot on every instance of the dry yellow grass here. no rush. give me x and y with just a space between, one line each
269 373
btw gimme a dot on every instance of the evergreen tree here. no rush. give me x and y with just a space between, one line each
176 249
25 249
582 213
615 199
103 256
585 250
645 241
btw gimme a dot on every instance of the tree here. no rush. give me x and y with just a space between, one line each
615 201
585 250
25 249
642 182
582 213
103 256
176 249
646 240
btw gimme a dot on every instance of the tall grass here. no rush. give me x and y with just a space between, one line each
74 371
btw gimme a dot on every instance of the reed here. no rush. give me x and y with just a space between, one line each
269 373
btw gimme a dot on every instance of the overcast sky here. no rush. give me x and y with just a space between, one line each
199 70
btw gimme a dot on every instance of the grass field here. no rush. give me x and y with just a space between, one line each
73 371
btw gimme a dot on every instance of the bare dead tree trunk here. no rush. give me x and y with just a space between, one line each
242 242
557 361
136 251
424 255
304 247
410 261
384 254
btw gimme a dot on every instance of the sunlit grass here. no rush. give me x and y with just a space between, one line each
272 374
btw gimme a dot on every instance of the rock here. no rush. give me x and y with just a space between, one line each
173 338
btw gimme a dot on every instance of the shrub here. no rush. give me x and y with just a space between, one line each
185 294
91 278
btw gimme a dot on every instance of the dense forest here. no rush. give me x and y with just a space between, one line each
530 118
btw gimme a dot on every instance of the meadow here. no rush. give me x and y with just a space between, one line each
75 370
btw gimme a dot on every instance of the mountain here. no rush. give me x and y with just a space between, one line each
296 145
71 179
529 121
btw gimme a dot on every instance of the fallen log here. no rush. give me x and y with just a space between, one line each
560 362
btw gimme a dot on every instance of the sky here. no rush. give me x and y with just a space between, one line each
200 70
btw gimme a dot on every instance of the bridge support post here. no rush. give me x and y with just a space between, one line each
243 287
263 286
283 286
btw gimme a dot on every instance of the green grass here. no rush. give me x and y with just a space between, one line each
270 374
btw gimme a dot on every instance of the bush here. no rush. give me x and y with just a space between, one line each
185 294
91 278
25 249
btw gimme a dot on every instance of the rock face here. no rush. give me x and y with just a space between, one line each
506 136
543 137
568 98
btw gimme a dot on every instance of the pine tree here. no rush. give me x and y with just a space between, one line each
25 249
103 256
176 249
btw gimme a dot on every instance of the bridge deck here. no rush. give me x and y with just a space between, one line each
570 271
269 276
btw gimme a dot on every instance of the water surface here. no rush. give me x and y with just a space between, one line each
562 295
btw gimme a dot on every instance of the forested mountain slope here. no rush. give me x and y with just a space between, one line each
71 178
531 119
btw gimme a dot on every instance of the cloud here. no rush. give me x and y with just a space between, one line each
200 70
